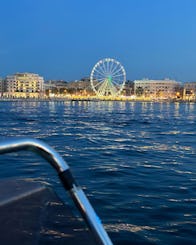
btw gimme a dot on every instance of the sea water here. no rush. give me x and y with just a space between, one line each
135 160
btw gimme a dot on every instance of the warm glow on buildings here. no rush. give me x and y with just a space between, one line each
189 92
23 85
153 89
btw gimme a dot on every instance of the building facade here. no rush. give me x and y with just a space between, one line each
55 87
24 85
189 92
1 87
157 89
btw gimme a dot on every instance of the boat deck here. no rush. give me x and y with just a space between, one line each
31 213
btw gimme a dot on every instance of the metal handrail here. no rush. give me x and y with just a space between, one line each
67 179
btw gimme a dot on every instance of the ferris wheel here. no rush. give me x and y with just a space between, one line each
108 77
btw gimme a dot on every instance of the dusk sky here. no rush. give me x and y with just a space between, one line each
64 39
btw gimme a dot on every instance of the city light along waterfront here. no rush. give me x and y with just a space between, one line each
138 90
135 160
107 81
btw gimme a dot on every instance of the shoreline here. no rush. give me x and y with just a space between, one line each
94 100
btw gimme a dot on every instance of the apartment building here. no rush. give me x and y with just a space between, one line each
163 89
24 85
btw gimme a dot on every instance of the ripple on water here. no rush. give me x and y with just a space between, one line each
136 161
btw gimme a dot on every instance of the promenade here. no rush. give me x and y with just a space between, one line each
107 98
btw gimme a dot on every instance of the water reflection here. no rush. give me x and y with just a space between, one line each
131 157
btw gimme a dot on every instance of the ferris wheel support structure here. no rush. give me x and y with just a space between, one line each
108 78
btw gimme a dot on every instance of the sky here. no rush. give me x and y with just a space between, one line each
64 39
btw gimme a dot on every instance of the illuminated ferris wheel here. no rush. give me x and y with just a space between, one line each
108 77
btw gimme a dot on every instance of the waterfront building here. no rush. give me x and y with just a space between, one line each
1 87
128 89
55 87
24 85
80 87
189 92
157 89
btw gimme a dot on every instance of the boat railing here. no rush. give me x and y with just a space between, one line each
68 181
